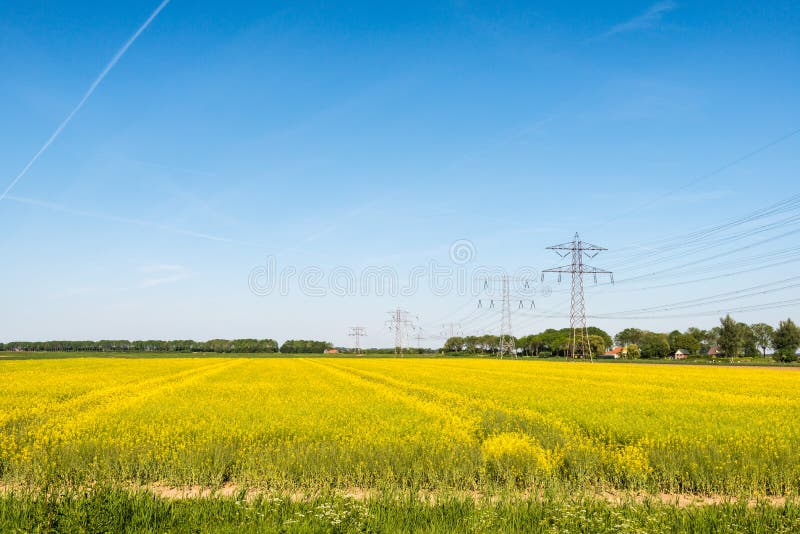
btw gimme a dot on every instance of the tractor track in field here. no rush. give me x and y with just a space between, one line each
455 403
95 401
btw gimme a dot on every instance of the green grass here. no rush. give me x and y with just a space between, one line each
115 510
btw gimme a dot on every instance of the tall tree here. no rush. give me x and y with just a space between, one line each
690 343
530 345
749 343
594 331
629 335
674 339
730 337
654 345
786 340
712 336
454 344
763 334
597 344
697 333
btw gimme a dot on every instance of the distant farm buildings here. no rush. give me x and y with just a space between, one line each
680 355
614 354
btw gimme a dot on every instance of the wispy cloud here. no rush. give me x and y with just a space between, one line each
651 17
158 275
172 168
124 220
85 97
72 292
161 267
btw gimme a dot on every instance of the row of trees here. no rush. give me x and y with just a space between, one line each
731 339
486 344
735 340
151 345
292 346
305 346
646 344
389 350
551 342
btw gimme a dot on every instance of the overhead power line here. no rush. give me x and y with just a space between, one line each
702 178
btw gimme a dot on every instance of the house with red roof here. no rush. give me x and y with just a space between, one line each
616 353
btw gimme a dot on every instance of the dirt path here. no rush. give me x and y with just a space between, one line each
230 491
681 500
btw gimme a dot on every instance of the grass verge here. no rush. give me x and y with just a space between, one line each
120 510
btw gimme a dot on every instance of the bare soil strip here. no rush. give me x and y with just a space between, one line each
231 490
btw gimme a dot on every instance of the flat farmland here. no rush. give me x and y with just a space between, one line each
379 425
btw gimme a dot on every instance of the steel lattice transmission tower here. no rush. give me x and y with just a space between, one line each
450 330
358 332
399 323
577 249
419 337
507 344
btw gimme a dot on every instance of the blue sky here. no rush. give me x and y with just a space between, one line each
354 135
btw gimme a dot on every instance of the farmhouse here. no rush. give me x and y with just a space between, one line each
616 353
680 355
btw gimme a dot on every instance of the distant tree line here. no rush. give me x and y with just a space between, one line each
151 345
551 342
731 339
305 346
736 339
389 350
292 346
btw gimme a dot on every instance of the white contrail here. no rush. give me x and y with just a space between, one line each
86 95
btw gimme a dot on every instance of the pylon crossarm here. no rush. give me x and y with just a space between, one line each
588 269
563 246
562 269
583 245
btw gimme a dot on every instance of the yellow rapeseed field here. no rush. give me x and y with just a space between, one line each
400 423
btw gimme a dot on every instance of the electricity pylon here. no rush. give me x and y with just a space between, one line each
357 332
399 323
577 249
450 330
507 345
